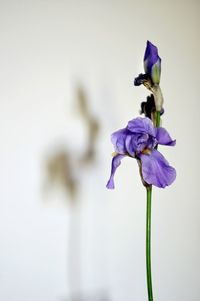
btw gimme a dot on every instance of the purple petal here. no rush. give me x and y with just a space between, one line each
130 144
150 50
156 170
142 126
163 137
118 139
116 161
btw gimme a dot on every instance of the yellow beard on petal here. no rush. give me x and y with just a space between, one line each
114 154
146 151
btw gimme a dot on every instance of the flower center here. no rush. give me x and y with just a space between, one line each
146 151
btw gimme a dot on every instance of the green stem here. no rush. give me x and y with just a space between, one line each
148 244
148 231
157 119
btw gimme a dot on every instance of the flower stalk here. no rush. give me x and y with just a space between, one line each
148 244
148 231
157 119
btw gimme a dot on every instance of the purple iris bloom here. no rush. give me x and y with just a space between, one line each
152 63
138 140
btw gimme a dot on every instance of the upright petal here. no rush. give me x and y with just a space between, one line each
156 170
163 137
116 161
142 126
118 139
130 144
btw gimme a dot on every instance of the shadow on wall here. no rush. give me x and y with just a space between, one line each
61 169
92 127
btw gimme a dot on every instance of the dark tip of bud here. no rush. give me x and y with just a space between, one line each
162 111
139 80
148 107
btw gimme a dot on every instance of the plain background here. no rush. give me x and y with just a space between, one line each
54 248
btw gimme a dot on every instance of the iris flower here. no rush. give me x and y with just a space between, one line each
139 140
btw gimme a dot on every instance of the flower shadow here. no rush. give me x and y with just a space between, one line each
64 172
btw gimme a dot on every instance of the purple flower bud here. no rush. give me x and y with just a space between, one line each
152 63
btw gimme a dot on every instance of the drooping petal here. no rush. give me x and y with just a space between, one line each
163 137
142 126
116 161
118 139
156 170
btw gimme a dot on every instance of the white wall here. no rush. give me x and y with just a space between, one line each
51 248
